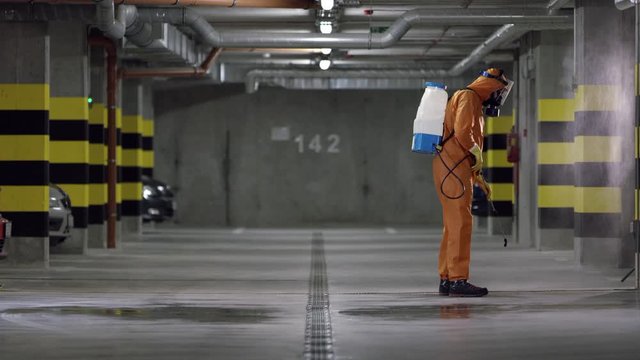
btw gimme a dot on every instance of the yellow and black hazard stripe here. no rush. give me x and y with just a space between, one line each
69 159
97 164
147 147
498 171
24 158
598 158
132 156
556 163
119 162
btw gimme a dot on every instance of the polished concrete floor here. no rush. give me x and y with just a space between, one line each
245 294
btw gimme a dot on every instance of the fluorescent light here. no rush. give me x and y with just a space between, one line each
325 64
326 4
326 27
326 51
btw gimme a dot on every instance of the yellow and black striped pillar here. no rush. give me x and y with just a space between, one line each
24 139
119 165
147 147
499 173
555 173
69 126
98 120
598 160
97 175
69 162
132 171
147 130
603 131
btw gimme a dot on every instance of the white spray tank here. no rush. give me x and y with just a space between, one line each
429 123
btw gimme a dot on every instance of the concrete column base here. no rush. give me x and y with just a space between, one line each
119 232
28 251
554 239
499 225
74 244
97 236
131 225
598 251
479 223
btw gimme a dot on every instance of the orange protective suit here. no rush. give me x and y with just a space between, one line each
464 117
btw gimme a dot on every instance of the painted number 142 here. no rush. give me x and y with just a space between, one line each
315 144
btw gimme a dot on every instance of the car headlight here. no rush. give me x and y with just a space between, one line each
53 202
147 192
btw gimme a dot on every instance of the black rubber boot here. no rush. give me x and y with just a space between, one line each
444 287
461 288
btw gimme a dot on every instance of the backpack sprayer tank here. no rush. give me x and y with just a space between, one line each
429 122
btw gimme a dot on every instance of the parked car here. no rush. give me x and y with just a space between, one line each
60 217
157 200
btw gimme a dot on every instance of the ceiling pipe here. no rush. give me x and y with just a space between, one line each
292 4
626 4
503 35
235 39
194 72
555 6
106 20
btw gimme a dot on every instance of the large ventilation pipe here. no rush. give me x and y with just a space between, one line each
191 18
555 6
106 20
239 39
295 4
189 72
626 4
503 35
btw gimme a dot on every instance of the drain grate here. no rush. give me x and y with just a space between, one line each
318 344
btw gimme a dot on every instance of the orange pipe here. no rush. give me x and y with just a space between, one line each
112 170
196 71
287 4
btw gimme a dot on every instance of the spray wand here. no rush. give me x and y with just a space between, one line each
487 192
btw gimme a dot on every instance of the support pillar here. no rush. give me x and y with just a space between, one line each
132 128
147 131
24 135
603 128
69 126
555 114
499 172
98 151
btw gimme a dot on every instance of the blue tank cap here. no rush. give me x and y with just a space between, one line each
435 84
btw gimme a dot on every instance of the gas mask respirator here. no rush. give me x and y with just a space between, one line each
497 99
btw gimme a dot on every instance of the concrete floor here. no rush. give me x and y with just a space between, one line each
244 294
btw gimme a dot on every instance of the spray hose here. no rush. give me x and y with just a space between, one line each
451 171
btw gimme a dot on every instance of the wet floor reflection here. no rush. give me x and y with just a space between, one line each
455 311
186 313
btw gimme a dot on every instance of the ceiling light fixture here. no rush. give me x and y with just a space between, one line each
325 64
326 27
326 4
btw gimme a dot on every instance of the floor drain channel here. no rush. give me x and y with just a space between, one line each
318 343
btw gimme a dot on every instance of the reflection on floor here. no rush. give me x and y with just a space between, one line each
245 294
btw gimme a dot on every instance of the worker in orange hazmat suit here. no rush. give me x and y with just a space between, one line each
457 167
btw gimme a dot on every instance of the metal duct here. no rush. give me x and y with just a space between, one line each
212 37
555 5
626 4
505 34
106 20
298 4
44 12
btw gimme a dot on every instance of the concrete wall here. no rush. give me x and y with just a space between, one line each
373 179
